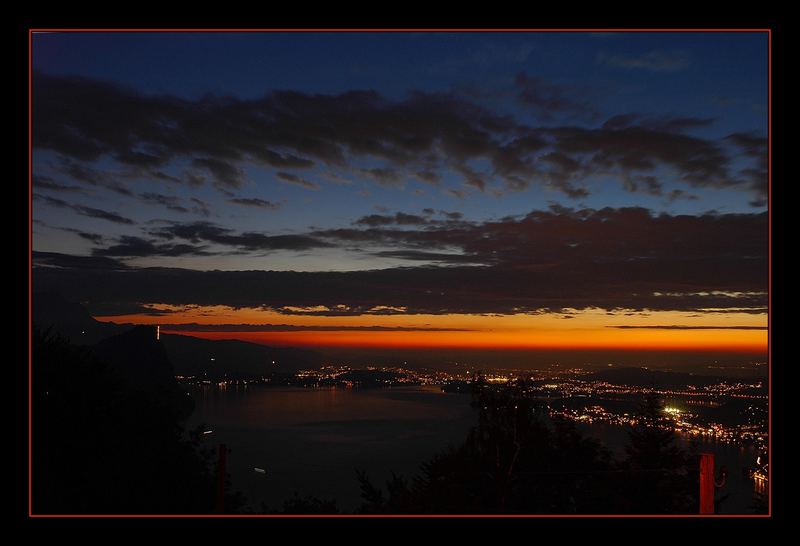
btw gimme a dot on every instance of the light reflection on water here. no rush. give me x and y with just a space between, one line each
311 441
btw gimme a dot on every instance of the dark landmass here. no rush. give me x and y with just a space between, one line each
188 355
109 432
701 362
137 357
236 359
646 376
50 310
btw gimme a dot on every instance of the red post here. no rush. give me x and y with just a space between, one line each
706 483
221 479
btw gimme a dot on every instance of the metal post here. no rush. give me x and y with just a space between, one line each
221 479
706 483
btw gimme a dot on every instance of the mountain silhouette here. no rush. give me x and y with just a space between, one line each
217 358
645 376
70 319
135 353
138 358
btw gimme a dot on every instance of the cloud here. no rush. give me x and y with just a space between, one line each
384 177
646 184
680 194
458 194
547 99
297 181
168 201
554 260
412 138
653 61
195 327
255 202
286 161
52 201
405 219
669 124
399 218
428 176
430 257
200 207
337 179
199 232
47 183
88 175
112 308
757 148
130 246
95 238
54 260
224 173
83 210
696 161
102 214
194 180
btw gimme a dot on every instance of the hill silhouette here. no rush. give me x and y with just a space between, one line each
102 443
138 358
133 351
193 356
50 310
645 376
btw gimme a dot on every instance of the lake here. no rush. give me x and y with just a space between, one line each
311 441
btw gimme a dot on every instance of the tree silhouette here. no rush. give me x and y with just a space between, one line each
309 505
663 478
102 446
513 461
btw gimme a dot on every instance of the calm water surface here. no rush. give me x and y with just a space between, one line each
311 441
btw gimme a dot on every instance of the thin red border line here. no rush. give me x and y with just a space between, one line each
30 285
398 30
30 276
394 516
769 286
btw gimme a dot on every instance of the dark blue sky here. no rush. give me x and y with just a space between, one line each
205 150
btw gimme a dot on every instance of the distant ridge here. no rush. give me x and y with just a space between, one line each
138 357
70 319
193 356
660 378
187 355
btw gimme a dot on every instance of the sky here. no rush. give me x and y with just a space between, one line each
525 190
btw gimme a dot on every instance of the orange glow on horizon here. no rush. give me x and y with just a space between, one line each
625 340
586 329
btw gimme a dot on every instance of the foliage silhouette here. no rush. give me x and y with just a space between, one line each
103 445
309 505
662 477
513 461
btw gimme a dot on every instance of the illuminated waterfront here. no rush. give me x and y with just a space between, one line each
312 429
729 411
